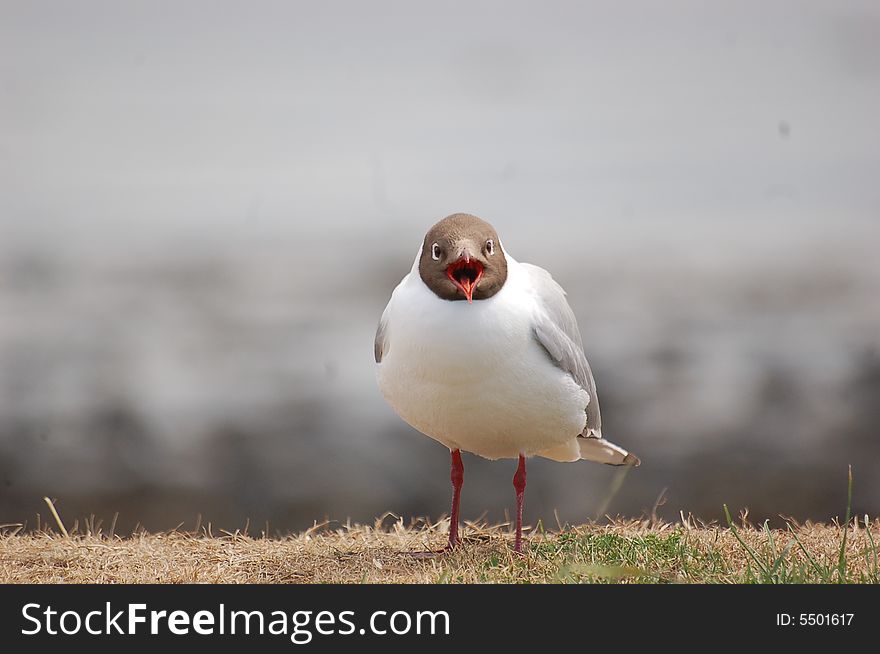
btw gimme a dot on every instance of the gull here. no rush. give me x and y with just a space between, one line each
483 354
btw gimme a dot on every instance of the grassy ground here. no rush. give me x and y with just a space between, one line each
644 551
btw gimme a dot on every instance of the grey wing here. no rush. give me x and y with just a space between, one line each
382 342
557 332
380 345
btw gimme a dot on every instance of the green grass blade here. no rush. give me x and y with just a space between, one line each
745 545
874 577
781 558
841 561
769 533
819 570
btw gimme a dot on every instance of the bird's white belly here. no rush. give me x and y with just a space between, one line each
473 377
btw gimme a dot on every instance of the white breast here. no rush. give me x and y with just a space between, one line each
472 376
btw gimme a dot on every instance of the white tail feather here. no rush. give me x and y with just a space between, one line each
602 451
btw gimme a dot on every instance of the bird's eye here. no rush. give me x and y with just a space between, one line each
435 252
490 247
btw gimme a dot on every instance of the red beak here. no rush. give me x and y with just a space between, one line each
465 274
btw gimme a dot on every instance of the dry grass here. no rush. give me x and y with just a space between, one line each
636 551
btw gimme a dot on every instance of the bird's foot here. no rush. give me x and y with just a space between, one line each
519 547
430 554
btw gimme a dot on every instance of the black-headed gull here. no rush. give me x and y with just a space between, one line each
483 354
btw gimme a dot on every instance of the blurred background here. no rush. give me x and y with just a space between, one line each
204 207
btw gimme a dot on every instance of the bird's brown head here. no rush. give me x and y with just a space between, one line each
462 259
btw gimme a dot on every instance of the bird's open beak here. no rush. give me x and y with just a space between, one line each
465 273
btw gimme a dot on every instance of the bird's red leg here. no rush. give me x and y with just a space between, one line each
519 484
456 475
